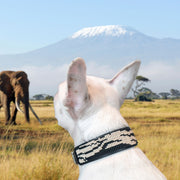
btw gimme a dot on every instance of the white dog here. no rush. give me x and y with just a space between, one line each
88 108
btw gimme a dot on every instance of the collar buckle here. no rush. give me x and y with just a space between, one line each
74 156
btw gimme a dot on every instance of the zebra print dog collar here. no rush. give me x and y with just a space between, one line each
104 145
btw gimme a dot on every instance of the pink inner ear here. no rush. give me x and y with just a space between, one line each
76 82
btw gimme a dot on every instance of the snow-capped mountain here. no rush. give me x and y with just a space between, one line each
111 30
113 44
106 49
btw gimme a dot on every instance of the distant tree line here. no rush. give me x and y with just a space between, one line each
142 93
42 97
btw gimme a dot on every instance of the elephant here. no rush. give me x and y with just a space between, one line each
14 87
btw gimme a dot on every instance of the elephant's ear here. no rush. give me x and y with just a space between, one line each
4 81
1 81
19 74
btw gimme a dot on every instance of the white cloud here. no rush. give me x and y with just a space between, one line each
45 79
163 76
103 71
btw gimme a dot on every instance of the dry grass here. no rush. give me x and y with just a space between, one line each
37 160
157 128
43 152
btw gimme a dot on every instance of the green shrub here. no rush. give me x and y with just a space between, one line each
142 97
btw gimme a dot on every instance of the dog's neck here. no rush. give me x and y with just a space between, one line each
101 122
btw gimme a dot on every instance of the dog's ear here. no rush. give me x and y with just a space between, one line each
77 91
123 81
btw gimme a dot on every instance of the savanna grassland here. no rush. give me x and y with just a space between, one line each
35 152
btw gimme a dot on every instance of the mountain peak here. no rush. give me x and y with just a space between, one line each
109 30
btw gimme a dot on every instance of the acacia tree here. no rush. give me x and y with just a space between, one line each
164 95
175 93
48 97
139 83
38 97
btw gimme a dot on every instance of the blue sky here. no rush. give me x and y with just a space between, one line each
30 24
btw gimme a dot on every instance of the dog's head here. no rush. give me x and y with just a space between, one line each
82 100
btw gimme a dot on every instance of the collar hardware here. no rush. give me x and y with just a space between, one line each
75 159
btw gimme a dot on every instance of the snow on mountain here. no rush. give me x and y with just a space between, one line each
110 30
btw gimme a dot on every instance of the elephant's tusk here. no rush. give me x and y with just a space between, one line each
18 106
35 114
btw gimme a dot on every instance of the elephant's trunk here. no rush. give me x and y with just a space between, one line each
25 102
26 106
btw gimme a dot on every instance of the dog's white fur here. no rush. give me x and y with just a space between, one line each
88 107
